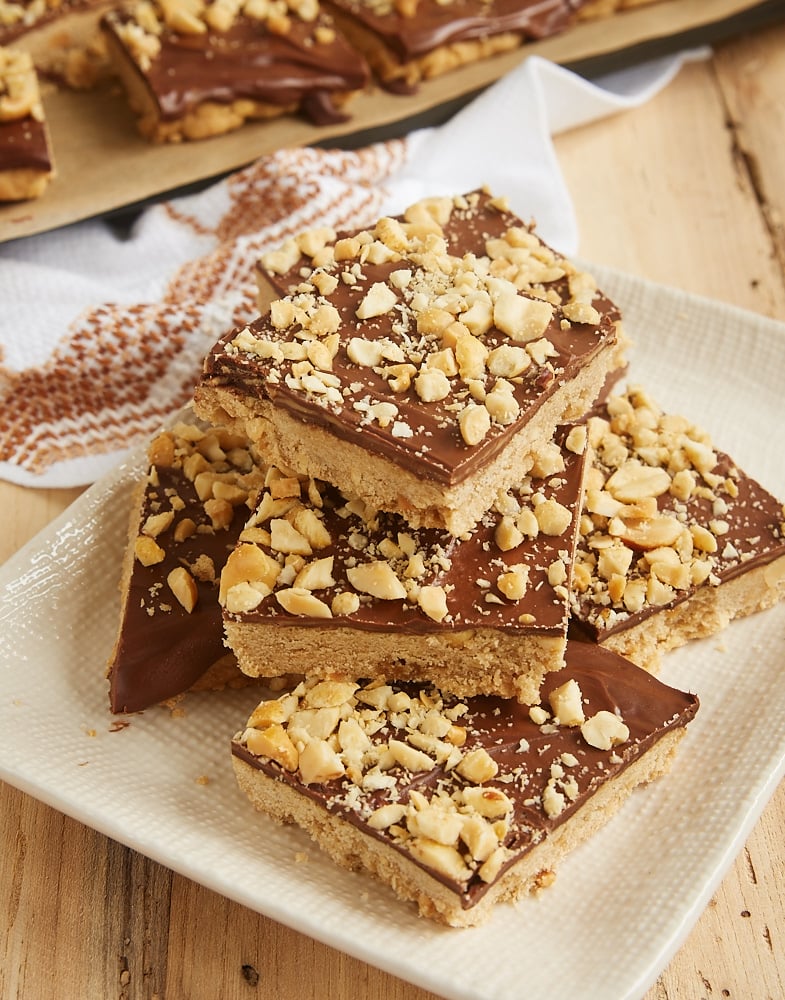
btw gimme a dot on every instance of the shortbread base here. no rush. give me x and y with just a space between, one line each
464 663
704 614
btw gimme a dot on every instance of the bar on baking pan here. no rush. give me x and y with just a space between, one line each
193 70
406 41
26 164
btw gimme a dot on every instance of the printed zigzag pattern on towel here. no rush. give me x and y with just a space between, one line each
118 371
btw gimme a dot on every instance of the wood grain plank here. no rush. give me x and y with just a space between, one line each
219 945
84 910
745 917
137 924
687 216
751 78
31 832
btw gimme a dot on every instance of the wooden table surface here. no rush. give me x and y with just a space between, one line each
688 190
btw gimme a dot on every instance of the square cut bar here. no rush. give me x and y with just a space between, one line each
21 18
676 541
186 516
420 363
460 805
26 165
62 36
406 41
342 591
194 70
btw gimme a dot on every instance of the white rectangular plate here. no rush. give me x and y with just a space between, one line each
622 904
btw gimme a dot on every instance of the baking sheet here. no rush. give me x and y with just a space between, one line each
103 164
622 903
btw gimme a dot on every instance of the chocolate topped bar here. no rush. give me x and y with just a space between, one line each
406 41
25 157
198 69
460 804
419 363
319 577
676 540
17 17
190 510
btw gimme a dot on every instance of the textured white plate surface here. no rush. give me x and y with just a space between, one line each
621 905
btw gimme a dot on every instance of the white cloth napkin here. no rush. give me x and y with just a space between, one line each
102 334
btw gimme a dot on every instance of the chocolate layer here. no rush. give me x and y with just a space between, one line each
547 771
434 449
474 220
